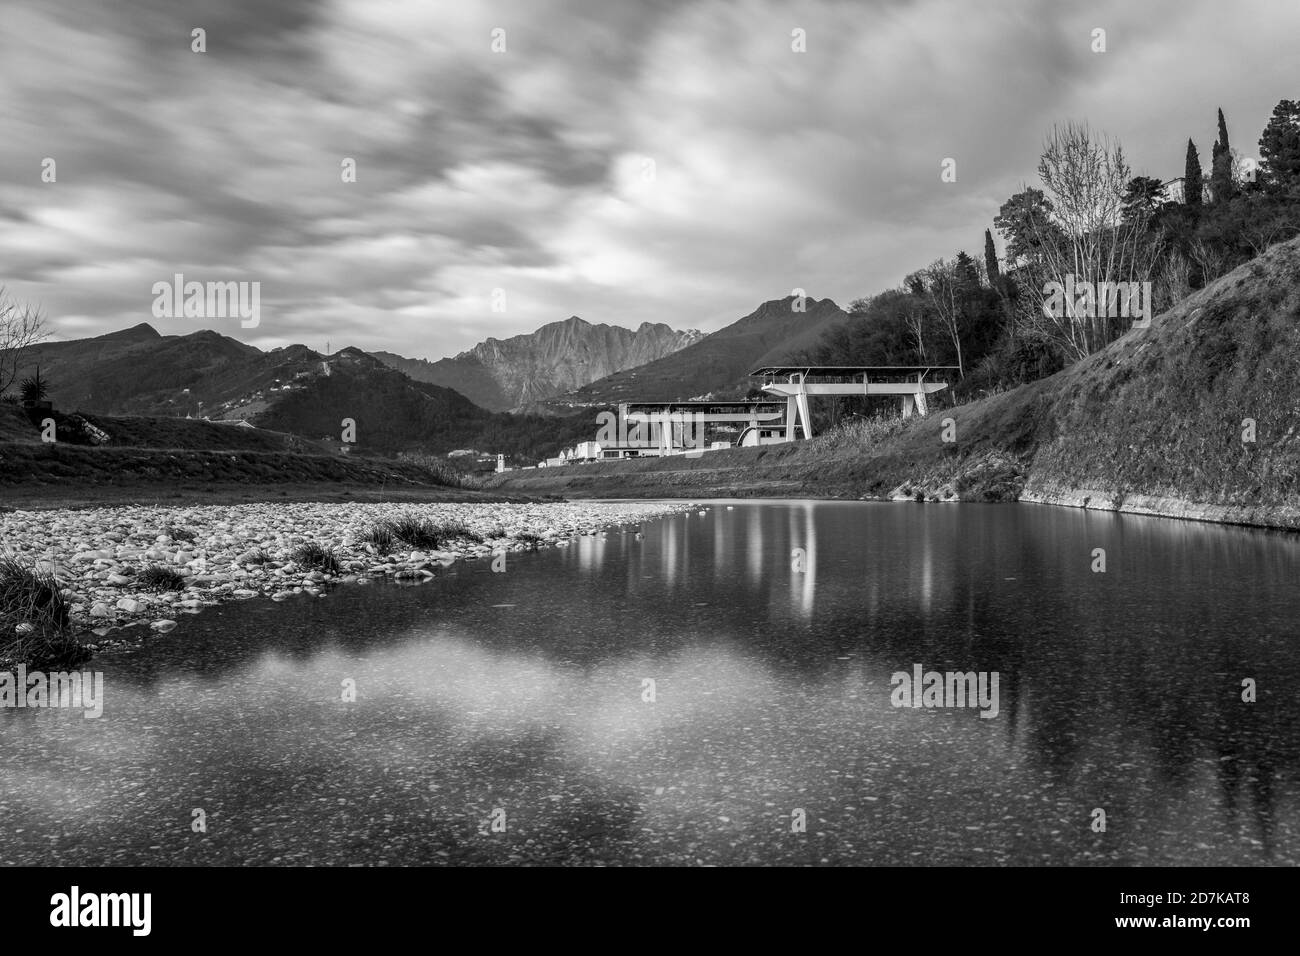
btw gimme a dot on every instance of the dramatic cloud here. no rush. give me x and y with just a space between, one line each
626 162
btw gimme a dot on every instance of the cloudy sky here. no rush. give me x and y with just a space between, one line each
623 161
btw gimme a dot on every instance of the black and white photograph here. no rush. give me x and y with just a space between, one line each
465 434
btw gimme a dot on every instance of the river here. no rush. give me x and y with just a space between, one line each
720 689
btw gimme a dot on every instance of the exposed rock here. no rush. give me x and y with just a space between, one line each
499 374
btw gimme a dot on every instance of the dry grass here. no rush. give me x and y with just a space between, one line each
315 556
421 534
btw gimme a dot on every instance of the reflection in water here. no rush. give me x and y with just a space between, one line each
752 545
524 691
670 557
927 566
803 564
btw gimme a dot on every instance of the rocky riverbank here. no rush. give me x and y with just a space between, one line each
100 555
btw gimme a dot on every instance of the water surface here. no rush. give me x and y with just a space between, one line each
522 697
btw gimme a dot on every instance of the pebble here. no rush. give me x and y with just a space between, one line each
97 553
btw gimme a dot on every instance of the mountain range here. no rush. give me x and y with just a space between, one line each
503 374
400 404
138 372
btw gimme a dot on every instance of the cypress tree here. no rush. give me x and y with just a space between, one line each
1192 182
1221 166
991 261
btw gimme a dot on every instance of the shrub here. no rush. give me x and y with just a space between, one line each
34 389
34 624
157 577
315 556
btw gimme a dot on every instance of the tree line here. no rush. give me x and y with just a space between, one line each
1089 219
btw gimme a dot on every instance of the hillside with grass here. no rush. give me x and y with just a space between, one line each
1196 416
193 459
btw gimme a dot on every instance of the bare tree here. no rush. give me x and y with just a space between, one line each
1212 259
21 327
1084 237
1174 281
941 291
1260 233
914 320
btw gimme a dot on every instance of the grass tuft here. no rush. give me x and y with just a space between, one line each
423 534
315 556
451 530
158 577
34 624
380 536
529 538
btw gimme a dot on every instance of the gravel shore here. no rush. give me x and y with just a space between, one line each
238 552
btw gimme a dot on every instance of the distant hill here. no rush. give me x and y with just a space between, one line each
21 427
719 364
139 372
502 374
393 414
293 390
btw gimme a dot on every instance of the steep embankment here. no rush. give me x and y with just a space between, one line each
1152 424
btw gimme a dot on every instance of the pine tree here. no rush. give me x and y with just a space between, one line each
968 276
1192 181
991 261
1221 185
1143 196
1279 148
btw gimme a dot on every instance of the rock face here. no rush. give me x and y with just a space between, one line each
501 374
718 365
